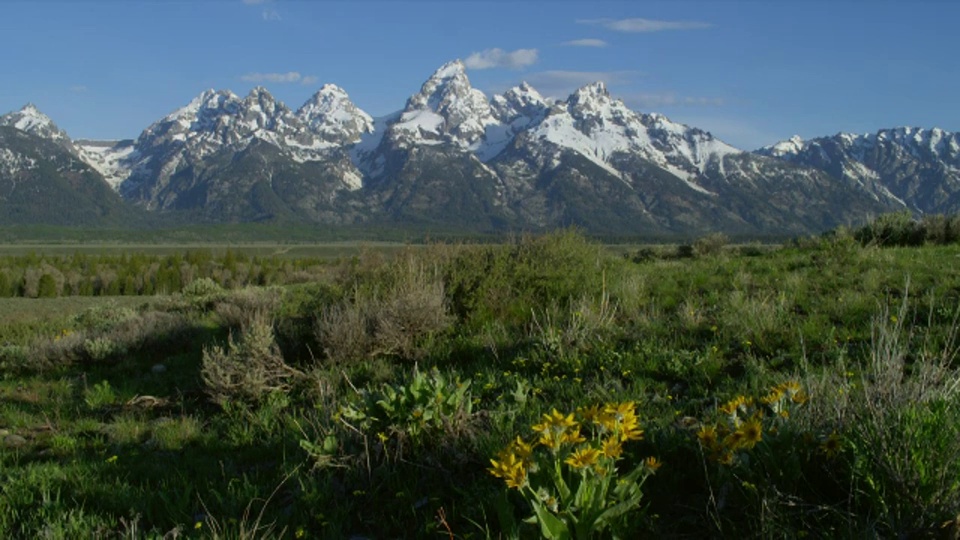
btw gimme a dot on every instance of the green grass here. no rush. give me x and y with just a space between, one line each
112 428
25 310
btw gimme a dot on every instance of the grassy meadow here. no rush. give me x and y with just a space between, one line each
548 386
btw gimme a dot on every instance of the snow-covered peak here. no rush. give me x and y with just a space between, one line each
592 91
934 142
332 115
521 103
450 70
450 80
600 128
260 97
793 145
30 120
446 109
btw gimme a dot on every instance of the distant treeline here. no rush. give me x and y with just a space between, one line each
43 276
902 229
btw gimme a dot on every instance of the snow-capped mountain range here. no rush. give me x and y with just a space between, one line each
514 160
917 168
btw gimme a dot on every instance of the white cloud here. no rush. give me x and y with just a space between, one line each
671 100
499 58
637 25
587 42
282 78
560 84
271 15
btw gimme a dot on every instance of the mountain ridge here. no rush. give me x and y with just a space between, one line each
513 160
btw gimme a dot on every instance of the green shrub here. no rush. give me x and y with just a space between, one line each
202 287
940 229
100 395
897 229
429 404
710 245
104 317
47 287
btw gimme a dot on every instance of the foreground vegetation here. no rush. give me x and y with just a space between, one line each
541 387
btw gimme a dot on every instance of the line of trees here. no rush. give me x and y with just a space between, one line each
138 274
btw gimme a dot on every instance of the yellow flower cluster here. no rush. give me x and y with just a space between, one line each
618 421
557 429
609 426
742 426
513 462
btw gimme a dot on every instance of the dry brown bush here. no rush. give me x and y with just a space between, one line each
249 368
245 306
394 322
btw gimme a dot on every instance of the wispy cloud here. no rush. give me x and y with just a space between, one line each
637 25
587 42
78 88
499 58
267 12
279 78
671 100
560 83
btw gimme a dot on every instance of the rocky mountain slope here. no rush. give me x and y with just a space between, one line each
44 183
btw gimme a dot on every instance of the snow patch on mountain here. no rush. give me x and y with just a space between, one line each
112 159
12 163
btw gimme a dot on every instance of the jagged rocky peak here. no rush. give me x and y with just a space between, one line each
590 97
260 110
332 115
30 120
450 78
447 109
520 102
209 102
793 145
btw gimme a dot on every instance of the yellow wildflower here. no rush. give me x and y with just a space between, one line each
752 432
583 457
734 440
708 436
631 431
590 414
652 464
612 447
773 397
572 437
831 446
621 411
510 468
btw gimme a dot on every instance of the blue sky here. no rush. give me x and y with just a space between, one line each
750 72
